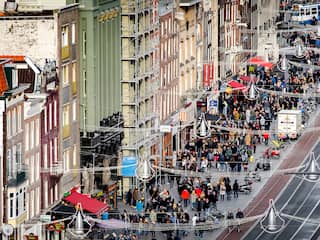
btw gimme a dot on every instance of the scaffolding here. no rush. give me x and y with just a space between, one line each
140 41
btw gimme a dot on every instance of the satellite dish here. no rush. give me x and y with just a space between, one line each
7 229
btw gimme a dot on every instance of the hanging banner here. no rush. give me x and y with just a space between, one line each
208 73
129 166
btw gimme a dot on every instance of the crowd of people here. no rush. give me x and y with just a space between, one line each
242 124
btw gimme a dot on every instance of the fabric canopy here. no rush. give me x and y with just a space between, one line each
248 79
88 204
259 61
237 85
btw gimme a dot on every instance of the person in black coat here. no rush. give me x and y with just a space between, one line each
235 189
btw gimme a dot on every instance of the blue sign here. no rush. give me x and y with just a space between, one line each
129 166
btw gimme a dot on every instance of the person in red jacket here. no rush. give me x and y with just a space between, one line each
185 195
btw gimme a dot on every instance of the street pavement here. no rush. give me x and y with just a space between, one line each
304 205
244 200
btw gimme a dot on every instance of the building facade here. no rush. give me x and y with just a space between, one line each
14 173
32 154
53 35
139 76
99 61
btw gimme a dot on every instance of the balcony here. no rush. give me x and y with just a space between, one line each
65 53
66 131
74 87
17 179
91 140
56 169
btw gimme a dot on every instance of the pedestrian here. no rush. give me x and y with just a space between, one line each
235 189
230 218
228 190
239 216
185 195
222 190
135 196
129 197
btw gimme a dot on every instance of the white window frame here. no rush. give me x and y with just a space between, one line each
19 118
64 36
32 135
26 132
14 121
37 130
32 169
74 110
55 107
9 123
74 157
73 33
9 161
50 116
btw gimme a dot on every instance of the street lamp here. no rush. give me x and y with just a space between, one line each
203 128
272 222
144 170
300 50
312 170
283 64
78 221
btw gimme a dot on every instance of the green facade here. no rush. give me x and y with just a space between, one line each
99 34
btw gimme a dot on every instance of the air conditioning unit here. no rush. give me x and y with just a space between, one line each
10 6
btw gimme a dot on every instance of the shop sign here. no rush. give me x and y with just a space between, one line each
129 166
165 128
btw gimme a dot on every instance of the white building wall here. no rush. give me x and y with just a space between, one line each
26 37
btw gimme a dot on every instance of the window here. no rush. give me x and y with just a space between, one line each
37 167
55 144
32 169
308 12
45 185
14 159
65 75
50 153
55 106
19 157
9 123
84 44
31 135
9 162
14 122
19 118
74 155
45 120
50 116
14 78
73 33
74 110
74 72
37 200
65 117
314 11
11 204
26 134
37 132
66 160
64 36
45 157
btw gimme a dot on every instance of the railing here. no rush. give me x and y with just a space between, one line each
56 169
18 178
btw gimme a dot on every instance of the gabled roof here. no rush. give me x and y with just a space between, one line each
3 80
14 58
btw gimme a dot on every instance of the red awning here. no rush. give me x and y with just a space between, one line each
88 204
236 85
259 61
248 79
